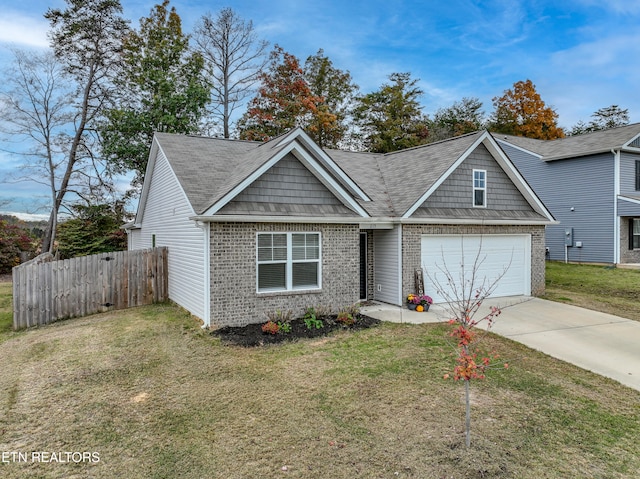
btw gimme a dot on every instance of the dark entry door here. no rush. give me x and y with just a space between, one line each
363 265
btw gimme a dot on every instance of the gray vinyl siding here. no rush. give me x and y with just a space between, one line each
635 143
387 265
166 216
457 190
628 173
587 185
628 208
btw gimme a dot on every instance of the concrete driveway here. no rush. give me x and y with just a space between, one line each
605 344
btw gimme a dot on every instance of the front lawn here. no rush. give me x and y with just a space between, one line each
156 397
601 288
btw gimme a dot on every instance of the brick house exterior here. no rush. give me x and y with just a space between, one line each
255 227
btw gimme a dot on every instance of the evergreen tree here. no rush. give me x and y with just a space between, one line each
391 118
162 90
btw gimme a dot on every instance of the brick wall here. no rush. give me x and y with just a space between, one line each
234 300
627 255
411 249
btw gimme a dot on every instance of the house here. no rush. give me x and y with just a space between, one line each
257 227
591 185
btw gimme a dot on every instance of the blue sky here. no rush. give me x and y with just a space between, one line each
580 54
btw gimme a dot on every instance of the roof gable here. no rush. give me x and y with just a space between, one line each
256 163
287 188
522 196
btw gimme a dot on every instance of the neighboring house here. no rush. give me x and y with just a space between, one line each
591 185
258 227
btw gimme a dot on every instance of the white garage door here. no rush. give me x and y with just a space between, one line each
495 253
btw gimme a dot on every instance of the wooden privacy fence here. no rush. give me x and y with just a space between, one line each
45 291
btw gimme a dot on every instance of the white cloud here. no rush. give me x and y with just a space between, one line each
19 29
26 216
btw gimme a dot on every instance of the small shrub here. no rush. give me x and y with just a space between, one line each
279 316
310 319
352 309
270 327
284 327
345 319
323 312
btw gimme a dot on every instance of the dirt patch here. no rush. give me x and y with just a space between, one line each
252 334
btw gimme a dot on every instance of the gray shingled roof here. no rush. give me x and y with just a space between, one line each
579 145
209 168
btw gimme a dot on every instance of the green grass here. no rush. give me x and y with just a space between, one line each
6 308
601 288
156 397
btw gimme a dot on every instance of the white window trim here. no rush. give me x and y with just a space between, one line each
475 188
633 234
289 263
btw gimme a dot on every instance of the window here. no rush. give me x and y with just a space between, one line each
637 175
480 188
634 233
288 261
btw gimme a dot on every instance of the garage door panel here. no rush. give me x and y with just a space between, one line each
494 254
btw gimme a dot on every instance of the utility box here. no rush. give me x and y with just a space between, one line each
568 236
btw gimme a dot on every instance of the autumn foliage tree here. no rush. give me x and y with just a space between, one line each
284 101
521 111
328 127
13 240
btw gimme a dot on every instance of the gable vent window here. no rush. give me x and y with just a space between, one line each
480 188
637 175
288 261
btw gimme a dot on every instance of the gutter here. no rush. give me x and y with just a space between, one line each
384 222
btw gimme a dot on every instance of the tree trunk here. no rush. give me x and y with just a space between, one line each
467 434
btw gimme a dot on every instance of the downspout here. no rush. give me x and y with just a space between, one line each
400 264
616 218
206 228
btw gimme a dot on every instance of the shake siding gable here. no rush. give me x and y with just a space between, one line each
166 216
585 184
457 190
289 182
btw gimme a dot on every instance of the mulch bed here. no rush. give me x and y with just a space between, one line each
252 335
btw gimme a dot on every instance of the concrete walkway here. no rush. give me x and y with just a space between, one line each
605 344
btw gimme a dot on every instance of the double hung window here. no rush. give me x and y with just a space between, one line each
479 188
288 261
634 231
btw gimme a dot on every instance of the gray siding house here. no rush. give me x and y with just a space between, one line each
256 227
591 185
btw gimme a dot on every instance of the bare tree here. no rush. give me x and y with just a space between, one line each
234 58
86 38
464 293
37 110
